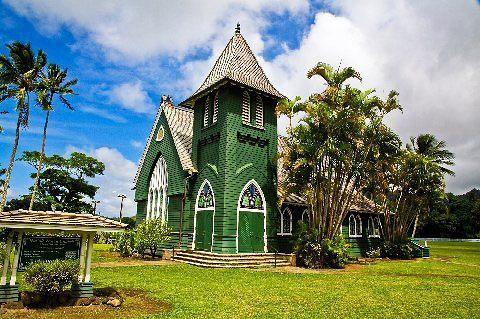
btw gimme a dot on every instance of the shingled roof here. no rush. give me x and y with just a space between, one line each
237 63
180 122
48 220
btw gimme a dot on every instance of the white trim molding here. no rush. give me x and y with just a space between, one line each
356 221
282 222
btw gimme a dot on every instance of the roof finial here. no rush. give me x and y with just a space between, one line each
237 29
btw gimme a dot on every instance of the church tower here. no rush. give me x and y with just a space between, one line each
234 141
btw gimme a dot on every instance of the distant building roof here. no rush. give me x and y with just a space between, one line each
48 220
237 63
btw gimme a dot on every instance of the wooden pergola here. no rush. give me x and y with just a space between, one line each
24 221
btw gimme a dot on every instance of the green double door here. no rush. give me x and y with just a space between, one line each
204 230
250 232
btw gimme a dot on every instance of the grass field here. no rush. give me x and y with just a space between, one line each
444 286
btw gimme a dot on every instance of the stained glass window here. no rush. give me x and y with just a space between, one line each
205 198
251 198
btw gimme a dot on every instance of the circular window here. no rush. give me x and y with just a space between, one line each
160 134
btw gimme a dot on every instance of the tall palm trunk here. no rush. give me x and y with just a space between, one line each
12 159
40 162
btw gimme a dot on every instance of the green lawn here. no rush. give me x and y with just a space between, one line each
444 286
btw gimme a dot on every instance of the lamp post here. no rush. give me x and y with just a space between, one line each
95 202
122 196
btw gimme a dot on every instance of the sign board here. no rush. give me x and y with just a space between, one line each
43 248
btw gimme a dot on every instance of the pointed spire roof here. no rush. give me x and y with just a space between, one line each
237 63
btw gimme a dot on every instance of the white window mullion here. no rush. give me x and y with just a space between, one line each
149 202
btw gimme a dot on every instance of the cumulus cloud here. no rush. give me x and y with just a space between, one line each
117 179
426 50
132 96
133 31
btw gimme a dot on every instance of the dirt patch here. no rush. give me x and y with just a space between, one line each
300 270
136 304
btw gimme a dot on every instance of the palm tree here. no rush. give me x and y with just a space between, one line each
428 146
50 86
431 150
18 78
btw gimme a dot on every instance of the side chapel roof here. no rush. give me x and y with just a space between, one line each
180 123
237 63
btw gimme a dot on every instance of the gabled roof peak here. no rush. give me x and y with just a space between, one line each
237 63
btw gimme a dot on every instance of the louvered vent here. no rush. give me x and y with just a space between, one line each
259 112
246 107
215 108
205 112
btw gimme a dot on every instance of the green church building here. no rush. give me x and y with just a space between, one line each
209 167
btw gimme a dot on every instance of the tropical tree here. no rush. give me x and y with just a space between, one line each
51 85
63 182
339 142
411 184
19 75
434 151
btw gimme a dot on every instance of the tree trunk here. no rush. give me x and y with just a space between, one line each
415 227
40 162
12 159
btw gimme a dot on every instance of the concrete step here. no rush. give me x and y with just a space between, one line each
193 259
208 265
214 260
228 258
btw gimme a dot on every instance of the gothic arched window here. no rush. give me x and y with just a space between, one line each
251 198
157 191
205 196
285 222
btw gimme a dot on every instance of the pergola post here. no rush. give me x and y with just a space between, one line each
18 245
84 288
89 257
6 262
83 243
10 292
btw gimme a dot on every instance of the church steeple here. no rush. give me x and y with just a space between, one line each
236 63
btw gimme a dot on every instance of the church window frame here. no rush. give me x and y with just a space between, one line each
215 109
205 183
157 202
246 116
206 112
286 224
355 226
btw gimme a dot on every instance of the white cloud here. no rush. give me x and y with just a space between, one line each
137 144
133 31
116 179
132 96
426 50
102 113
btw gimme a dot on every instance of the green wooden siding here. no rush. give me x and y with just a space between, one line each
165 148
359 245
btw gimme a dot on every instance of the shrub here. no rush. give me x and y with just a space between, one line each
151 235
401 250
315 253
123 243
374 252
50 277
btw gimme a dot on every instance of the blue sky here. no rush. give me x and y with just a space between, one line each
127 54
